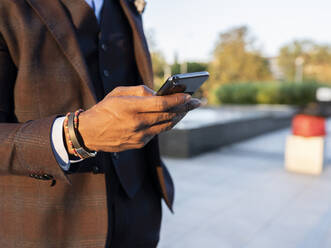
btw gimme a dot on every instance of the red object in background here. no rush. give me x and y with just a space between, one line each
308 126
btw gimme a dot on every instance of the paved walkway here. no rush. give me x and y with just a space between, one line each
240 196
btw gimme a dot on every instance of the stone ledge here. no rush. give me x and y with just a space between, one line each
188 142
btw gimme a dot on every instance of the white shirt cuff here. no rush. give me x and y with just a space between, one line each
57 141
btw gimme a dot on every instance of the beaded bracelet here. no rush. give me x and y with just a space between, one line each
76 117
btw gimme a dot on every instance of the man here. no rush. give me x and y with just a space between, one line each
57 56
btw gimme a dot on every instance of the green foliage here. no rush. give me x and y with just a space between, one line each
175 68
241 93
196 66
267 93
297 93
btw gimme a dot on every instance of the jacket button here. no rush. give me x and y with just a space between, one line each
47 177
116 155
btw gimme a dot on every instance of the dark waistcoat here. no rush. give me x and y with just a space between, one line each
108 51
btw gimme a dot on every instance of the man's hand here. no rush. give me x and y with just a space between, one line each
129 117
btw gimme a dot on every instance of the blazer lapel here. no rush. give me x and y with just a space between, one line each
54 16
140 45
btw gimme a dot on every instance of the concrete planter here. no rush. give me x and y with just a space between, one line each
192 140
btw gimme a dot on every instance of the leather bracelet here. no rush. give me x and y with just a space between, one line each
66 132
73 135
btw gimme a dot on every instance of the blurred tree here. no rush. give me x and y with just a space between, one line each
196 66
235 60
159 63
175 67
288 55
191 67
160 68
316 60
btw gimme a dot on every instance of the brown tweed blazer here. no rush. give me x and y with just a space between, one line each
43 75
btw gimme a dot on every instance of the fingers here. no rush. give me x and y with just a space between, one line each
165 126
146 101
193 103
140 90
154 130
151 119
161 103
145 136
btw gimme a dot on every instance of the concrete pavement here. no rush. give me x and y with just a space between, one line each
240 196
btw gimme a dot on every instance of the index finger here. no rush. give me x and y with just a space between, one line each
140 90
161 103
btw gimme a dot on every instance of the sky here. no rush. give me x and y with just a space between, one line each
191 28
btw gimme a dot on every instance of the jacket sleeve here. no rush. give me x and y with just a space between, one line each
25 148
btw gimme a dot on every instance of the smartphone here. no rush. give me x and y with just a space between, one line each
187 83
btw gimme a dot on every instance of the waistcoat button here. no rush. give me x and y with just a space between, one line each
95 169
104 46
106 73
